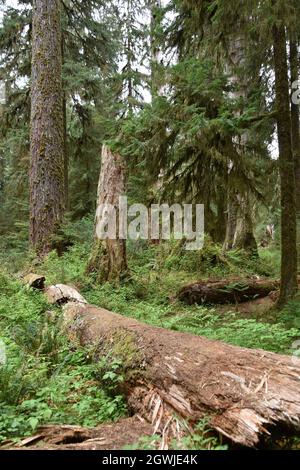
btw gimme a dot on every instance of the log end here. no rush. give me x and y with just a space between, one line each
34 281
61 294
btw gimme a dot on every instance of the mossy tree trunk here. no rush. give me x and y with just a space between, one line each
239 224
47 195
240 227
66 153
294 64
286 168
108 258
244 232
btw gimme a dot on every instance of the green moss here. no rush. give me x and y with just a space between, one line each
121 347
126 349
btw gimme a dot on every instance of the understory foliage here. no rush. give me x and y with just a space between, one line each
48 380
45 379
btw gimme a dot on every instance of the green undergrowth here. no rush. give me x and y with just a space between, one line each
156 275
47 380
44 379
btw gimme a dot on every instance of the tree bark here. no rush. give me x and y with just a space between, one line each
155 7
239 230
294 64
47 196
244 231
108 259
170 376
227 291
66 153
232 214
286 167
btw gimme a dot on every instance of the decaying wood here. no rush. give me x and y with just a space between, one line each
108 260
227 291
36 281
61 294
111 436
173 378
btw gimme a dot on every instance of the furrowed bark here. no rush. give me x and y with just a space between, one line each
172 377
294 65
239 228
286 168
47 195
108 259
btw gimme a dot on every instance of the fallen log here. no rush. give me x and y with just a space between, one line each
226 291
61 294
112 436
174 379
35 281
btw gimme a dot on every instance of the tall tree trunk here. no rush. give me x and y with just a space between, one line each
218 230
66 155
240 230
294 62
129 57
108 259
47 196
286 168
155 7
232 212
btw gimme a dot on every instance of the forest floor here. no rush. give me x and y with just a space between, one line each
46 381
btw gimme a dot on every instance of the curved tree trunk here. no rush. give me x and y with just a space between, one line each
47 196
108 259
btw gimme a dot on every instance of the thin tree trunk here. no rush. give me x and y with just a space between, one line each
47 196
66 155
155 7
286 168
129 57
232 213
108 259
294 62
